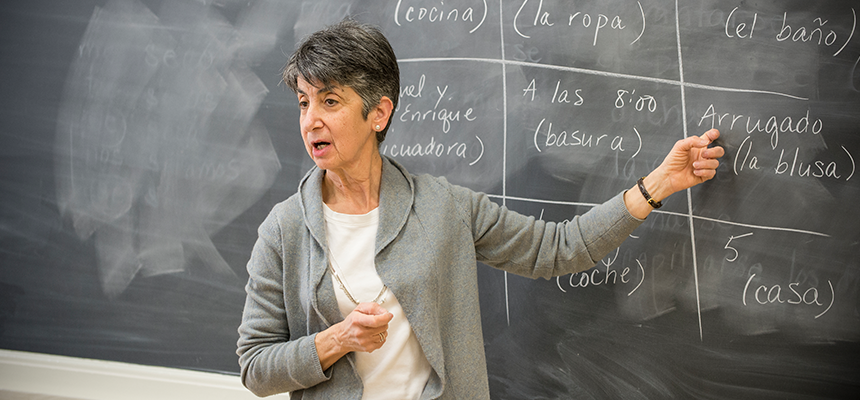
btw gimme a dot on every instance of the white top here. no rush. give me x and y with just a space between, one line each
399 369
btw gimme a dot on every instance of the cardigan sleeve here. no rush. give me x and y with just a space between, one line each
272 360
534 248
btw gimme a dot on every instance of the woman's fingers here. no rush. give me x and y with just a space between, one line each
367 327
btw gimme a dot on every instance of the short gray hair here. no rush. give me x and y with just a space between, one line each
348 54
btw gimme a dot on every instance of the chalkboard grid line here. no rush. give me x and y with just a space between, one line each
606 74
504 140
695 217
689 192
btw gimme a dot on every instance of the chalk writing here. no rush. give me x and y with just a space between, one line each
562 96
816 33
792 164
643 102
607 275
772 125
791 294
797 166
446 117
592 23
732 249
469 151
438 13
740 29
578 138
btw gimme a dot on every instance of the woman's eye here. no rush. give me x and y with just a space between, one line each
303 104
330 102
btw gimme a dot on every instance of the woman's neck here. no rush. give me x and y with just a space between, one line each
353 191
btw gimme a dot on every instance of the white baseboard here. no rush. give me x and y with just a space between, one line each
79 378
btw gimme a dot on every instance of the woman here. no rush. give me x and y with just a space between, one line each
363 284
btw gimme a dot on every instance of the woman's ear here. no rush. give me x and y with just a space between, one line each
382 112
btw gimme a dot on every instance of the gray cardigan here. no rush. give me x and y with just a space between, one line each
430 235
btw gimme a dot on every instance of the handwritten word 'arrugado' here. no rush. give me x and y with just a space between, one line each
772 125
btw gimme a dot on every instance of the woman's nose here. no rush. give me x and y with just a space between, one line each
311 118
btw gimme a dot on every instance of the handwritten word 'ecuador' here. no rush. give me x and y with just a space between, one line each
438 13
435 149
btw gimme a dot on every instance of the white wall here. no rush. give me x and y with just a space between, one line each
44 375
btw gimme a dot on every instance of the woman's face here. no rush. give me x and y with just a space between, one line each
336 135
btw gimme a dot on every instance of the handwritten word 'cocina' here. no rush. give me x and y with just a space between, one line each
544 18
436 149
438 13
816 33
772 125
765 295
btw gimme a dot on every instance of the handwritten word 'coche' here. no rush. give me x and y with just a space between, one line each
607 275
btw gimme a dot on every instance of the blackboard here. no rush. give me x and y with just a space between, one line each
144 141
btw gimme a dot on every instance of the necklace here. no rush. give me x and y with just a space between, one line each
380 298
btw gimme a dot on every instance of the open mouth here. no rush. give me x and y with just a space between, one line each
320 145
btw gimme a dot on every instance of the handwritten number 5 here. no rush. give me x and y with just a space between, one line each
735 257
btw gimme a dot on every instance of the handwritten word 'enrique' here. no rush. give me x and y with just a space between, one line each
581 139
435 149
773 294
443 115
743 27
579 20
772 125
439 13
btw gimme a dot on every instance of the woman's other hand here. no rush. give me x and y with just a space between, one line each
364 329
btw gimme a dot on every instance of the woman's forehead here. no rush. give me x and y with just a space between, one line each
317 86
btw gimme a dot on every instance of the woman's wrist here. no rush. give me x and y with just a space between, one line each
657 186
637 203
329 348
